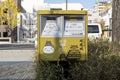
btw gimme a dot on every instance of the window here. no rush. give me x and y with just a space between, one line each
5 34
93 29
5 10
0 34
24 22
5 22
0 21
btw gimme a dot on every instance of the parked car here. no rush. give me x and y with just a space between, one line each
94 30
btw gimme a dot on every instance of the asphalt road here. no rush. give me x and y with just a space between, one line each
17 46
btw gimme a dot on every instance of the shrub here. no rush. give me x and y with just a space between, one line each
103 64
46 70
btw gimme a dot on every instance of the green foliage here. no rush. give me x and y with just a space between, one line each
48 70
97 68
100 46
103 64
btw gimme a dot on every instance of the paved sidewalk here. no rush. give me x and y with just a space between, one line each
17 71
17 64
17 55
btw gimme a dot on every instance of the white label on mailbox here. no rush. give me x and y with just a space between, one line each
51 29
74 28
48 49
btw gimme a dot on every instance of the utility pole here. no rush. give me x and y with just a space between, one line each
66 4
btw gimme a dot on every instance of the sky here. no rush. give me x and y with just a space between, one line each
85 3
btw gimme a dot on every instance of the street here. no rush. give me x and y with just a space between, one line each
17 46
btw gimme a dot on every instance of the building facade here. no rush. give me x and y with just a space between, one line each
27 27
106 16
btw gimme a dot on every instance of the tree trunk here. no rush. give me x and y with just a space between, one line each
116 23
14 35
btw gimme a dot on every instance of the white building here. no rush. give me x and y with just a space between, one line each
100 12
99 6
93 14
106 16
93 17
28 25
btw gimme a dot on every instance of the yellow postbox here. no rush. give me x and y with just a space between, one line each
62 35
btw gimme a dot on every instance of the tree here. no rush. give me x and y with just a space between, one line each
8 14
116 23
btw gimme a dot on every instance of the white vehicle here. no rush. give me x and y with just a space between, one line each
94 30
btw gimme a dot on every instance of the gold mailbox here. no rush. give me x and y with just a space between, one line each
62 35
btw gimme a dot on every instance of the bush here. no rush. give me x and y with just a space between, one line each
46 70
102 68
100 46
103 64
